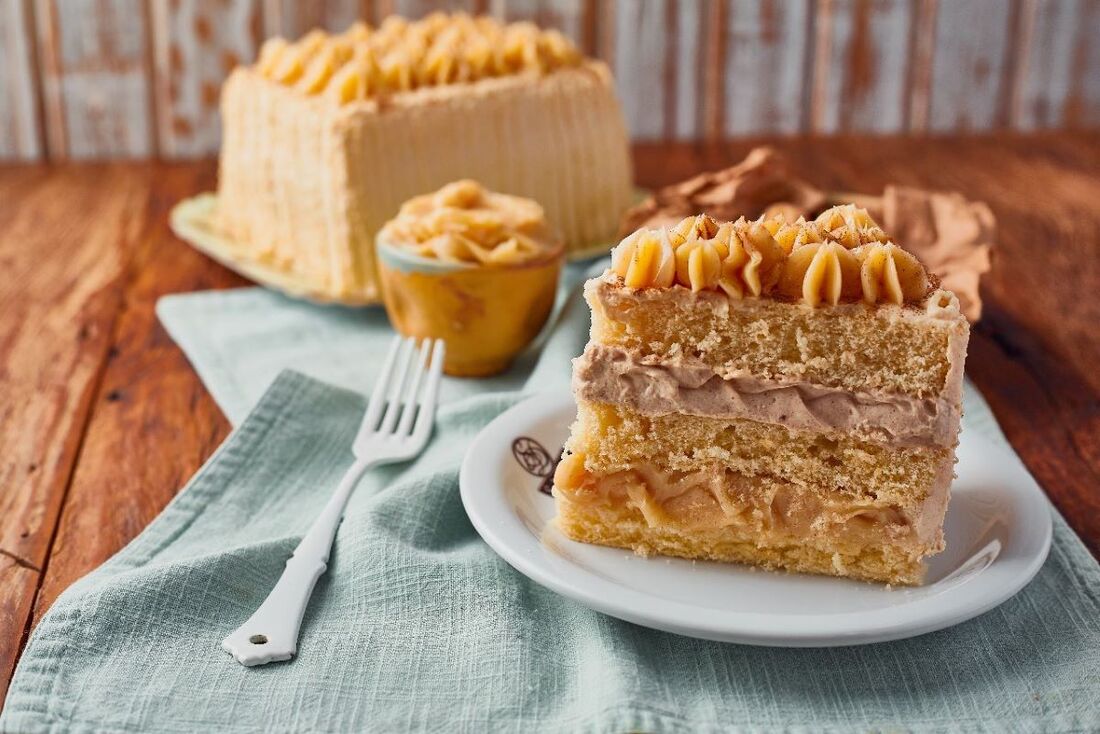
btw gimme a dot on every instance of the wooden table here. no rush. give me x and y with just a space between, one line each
102 420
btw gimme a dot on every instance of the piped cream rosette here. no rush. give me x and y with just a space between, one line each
464 223
401 55
475 268
841 256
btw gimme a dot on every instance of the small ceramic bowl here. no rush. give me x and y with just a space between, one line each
486 314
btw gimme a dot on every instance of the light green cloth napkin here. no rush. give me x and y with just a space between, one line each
418 626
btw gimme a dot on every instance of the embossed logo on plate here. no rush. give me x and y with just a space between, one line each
536 461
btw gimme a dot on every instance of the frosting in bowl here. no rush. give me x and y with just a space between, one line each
463 223
474 268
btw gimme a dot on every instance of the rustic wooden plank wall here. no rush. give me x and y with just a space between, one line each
195 43
19 119
134 78
972 65
95 78
861 66
1059 82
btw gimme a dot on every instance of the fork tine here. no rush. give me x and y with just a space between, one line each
397 385
431 392
413 389
378 395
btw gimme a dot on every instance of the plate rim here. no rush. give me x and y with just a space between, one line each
923 615
190 220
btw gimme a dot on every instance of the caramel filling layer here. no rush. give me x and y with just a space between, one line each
651 386
767 512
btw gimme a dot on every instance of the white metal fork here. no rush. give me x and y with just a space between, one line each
407 389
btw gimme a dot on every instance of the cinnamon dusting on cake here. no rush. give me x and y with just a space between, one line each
841 256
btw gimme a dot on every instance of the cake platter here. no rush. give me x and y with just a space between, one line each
193 221
998 531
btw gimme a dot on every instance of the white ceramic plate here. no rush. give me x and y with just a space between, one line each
998 532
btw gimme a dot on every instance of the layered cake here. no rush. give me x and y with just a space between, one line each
324 138
785 394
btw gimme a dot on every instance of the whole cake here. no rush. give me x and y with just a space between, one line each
323 139
786 394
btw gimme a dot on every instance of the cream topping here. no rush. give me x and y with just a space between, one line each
400 55
952 235
841 256
465 223
614 375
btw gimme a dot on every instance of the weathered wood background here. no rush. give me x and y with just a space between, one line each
135 78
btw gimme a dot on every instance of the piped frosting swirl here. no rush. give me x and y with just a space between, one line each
842 256
740 258
399 56
465 223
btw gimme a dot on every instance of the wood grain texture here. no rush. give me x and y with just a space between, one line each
18 583
640 62
97 381
96 79
1083 102
419 8
20 137
922 48
972 65
294 18
130 78
658 54
768 50
1059 73
196 43
713 75
688 55
568 16
861 66
149 396
62 238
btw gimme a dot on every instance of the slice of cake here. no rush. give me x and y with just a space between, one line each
326 137
774 393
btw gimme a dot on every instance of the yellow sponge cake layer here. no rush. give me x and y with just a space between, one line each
713 513
852 346
614 438
730 489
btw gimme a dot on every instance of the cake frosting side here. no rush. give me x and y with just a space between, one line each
309 171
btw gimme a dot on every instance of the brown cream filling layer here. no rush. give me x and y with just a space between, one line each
650 386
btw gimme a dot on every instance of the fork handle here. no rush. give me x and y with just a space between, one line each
271 633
